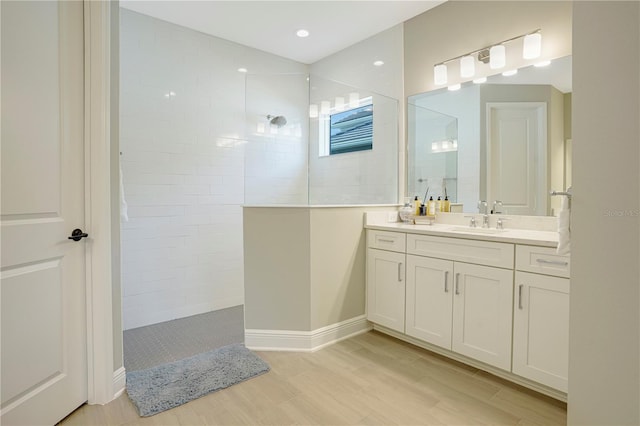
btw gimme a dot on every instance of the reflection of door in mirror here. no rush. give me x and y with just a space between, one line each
516 153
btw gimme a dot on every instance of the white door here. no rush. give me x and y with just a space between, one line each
541 329
385 288
429 299
516 157
44 361
482 317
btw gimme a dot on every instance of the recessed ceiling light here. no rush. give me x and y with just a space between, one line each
302 33
242 70
378 63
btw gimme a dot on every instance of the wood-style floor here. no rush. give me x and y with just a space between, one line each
371 379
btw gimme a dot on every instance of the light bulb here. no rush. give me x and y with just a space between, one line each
542 64
339 103
532 46
497 57
510 73
440 74
480 80
454 87
467 66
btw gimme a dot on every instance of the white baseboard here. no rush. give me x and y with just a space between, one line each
119 382
305 341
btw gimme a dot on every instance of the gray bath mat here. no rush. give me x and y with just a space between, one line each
166 386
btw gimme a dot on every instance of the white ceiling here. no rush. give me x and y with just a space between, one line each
271 25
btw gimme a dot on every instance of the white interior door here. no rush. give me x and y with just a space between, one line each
516 156
44 361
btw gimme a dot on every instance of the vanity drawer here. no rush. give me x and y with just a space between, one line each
384 240
471 251
542 260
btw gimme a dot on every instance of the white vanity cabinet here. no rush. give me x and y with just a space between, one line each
541 316
429 300
386 279
502 306
461 306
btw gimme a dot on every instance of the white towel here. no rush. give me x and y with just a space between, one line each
124 213
564 227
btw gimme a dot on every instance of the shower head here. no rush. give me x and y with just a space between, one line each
277 120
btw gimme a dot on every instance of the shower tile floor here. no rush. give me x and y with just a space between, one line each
169 341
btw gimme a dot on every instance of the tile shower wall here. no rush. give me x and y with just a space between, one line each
183 143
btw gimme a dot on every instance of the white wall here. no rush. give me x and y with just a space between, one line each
604 366
183 159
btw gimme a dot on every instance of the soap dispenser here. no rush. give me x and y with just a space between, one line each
438 204
416 206
446 205
431 207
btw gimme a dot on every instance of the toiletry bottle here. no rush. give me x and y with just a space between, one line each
431 207
446 205
438 204
416 204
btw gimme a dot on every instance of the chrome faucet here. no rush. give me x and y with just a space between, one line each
497 207
483 205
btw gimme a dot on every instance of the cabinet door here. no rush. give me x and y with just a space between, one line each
482 318
541 329
429 299
386 288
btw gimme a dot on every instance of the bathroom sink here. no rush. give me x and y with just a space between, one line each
477 230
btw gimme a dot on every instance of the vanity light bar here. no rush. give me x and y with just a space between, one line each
495 55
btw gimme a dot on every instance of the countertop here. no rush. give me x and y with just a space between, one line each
514 236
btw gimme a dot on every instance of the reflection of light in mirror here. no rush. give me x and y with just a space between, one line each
542 64
325 107
480 80
229 143
510 73
260 128
313 111
354 100
339 103
446 145
454 87
170 95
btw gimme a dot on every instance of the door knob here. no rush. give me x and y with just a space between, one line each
77 235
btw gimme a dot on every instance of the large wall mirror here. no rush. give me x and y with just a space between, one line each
506 140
